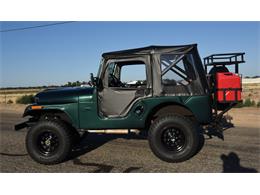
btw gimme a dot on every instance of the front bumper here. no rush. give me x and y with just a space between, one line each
21 126
25 124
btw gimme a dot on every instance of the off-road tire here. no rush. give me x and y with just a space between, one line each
74 133
63 135
184 125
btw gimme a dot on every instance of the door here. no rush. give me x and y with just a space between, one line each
124 83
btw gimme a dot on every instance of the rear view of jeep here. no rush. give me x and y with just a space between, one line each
177 97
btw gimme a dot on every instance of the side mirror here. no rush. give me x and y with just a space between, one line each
95 81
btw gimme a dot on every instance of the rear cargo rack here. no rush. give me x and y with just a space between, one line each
228 94
224 59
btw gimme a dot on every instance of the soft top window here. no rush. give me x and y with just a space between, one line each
126 74
178 74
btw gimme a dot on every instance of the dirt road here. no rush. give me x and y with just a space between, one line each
239 152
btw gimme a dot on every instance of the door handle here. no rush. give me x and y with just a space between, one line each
87 108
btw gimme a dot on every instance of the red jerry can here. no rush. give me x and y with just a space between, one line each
228 87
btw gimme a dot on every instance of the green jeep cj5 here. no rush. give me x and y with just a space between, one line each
171 96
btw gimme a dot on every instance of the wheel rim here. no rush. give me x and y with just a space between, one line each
48 143
173 139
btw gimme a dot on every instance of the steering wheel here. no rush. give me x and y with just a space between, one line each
115 82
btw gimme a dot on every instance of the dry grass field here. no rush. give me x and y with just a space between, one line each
251 91
14 94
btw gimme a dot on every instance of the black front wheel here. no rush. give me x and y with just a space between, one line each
49 142
173 138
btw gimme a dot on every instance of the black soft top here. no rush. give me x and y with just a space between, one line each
151 57
178 49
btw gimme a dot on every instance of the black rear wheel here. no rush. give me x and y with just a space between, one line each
173 138
49 142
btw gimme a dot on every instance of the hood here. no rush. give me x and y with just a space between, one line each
63 95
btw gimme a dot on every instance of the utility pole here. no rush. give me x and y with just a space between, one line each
5 95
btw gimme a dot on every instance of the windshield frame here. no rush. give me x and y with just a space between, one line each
100 67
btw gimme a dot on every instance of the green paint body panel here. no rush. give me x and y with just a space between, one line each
90 119
63 99
81 106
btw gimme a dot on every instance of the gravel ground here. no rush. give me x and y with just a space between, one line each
239 152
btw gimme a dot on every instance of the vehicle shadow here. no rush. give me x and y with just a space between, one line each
231 164
102 168
92 141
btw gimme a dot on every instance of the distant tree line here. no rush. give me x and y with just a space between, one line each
68 84
75 84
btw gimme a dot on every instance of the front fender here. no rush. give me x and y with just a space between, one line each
70 110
